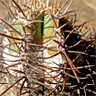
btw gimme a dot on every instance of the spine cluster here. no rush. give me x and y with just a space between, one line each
44 52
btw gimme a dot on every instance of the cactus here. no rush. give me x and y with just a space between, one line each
44 51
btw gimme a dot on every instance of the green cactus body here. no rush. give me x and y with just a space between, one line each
36 49
43 29
44 33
